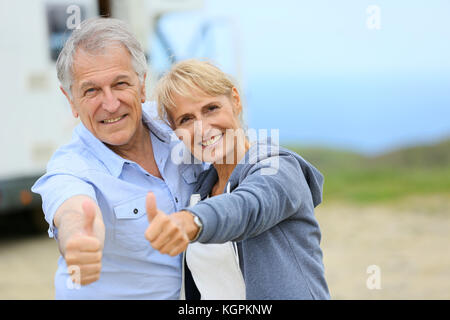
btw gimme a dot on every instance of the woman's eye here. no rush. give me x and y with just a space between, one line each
184 120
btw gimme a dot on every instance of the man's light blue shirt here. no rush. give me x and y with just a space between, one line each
131 268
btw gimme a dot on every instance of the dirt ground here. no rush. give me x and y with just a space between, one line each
407 242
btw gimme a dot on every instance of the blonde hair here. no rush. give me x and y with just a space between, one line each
189 77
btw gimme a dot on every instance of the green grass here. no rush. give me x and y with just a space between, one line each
384 184
352 177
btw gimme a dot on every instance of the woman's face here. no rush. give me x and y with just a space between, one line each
209 126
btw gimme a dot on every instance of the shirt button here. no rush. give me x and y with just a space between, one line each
135 211
176 199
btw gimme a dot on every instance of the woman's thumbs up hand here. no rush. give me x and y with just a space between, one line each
169 234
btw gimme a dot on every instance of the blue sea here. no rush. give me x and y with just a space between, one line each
366 113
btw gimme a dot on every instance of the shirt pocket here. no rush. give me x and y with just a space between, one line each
131 224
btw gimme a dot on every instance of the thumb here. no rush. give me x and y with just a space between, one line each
89 216
150 205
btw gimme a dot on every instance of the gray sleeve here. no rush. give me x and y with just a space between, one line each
259 202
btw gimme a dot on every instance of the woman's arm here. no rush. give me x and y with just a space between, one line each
260 202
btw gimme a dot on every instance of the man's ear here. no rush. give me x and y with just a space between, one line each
143 93
72 106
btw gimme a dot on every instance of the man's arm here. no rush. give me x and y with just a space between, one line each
81 236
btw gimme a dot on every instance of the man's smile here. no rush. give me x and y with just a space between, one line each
113 120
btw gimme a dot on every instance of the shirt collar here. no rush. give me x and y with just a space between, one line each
112 161
158 127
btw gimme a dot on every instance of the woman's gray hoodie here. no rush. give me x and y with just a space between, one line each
270 214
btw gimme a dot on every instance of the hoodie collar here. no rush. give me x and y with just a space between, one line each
260 150
208 178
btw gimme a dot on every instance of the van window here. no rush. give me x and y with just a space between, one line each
58 32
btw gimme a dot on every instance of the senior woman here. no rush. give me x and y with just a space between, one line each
253 234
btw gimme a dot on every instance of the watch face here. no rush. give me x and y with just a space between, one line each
198 222
200 227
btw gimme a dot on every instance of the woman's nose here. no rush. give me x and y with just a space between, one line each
201 127
110 102
198 127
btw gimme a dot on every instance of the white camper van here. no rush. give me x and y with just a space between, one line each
36 117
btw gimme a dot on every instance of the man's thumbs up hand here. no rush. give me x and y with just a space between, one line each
89 217
169 234
150 205
83 253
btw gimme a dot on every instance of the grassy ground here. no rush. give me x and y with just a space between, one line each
375 185
354 178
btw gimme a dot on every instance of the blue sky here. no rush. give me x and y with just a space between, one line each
320 58
291 36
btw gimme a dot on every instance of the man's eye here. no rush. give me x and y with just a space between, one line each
121 84
89 91
213 107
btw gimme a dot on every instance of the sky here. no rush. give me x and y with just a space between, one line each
362 75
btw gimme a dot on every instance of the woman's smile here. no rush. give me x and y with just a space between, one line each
211 141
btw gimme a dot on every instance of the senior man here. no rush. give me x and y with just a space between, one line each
95 187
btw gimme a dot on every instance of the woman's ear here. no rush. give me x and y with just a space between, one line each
236 99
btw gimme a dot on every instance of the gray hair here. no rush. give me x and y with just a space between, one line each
93 36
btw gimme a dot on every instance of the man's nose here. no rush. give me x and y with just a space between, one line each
110 102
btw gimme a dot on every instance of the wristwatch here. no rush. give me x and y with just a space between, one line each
199 224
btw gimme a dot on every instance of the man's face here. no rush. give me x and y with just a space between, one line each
107 95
